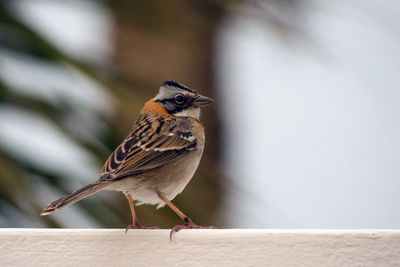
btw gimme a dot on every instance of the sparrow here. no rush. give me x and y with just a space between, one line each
157 159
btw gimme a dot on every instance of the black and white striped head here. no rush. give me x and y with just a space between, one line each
180 100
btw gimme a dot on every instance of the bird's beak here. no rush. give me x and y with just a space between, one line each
203 101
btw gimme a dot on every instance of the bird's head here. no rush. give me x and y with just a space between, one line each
181 101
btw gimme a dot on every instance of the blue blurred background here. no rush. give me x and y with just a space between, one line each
304 132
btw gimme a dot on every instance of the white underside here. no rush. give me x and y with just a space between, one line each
169 181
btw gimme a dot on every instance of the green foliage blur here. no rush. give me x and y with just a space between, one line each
54 137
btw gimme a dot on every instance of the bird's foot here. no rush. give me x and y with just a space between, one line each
188 225
138 226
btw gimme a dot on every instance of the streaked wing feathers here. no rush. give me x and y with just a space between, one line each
152 142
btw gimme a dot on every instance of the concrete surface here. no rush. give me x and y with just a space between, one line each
230 247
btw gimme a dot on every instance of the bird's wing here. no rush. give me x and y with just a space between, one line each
152 142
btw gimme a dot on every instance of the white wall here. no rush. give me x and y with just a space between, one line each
112 247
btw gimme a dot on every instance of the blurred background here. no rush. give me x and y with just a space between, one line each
304 132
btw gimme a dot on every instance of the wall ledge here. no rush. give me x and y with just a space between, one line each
225 247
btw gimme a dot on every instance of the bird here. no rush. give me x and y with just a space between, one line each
157 159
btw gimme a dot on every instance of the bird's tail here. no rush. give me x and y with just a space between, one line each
74 197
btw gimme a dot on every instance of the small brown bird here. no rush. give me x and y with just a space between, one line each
157 159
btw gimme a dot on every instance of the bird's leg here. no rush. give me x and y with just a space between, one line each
188 223
136 224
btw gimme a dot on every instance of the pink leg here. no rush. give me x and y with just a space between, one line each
136 224
188 223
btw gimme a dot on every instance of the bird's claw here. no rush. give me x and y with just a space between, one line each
188 225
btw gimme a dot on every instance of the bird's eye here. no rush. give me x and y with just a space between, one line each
180 99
